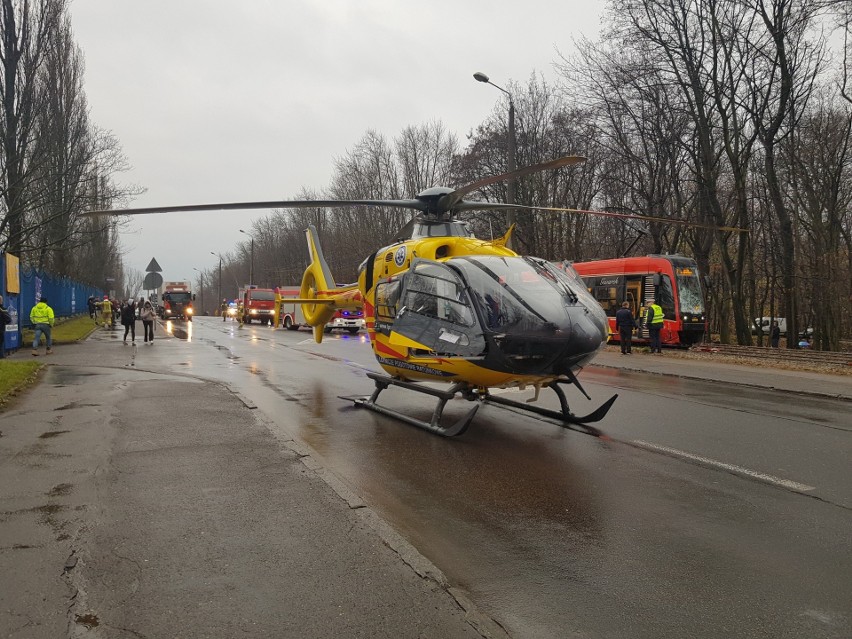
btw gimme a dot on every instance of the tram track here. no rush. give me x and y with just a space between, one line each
803 356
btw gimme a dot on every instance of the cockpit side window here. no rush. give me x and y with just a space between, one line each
387 299
435 310
430 292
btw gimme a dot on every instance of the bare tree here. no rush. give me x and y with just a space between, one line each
28 29
781 83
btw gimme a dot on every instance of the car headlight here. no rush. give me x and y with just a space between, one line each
253 311
189 311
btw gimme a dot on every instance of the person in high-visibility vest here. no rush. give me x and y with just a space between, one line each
106 312
41 317
654 321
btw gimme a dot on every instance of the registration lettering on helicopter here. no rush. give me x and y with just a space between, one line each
419 368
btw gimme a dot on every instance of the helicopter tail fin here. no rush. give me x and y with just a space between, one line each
316 283
320 296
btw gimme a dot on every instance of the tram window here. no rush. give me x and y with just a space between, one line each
665 296
607 297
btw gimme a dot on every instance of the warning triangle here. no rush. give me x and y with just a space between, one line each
153 267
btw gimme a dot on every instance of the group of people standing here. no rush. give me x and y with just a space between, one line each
106 311
128 312
625 324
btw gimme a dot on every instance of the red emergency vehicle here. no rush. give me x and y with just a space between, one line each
258 305
673 281
292 317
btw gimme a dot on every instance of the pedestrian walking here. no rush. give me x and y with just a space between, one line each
5 320
148 315
128 319
625 323
93 308
41 317
654 321
775 335
106 312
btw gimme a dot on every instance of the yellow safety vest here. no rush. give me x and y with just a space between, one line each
658 316
41 313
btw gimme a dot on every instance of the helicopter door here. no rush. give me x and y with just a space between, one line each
435 311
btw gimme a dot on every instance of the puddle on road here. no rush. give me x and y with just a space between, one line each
53 433
61 376
89 620
180 330
60 490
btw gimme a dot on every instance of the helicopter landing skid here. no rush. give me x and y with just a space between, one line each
434 426
563 417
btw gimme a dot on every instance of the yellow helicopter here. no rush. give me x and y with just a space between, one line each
443 306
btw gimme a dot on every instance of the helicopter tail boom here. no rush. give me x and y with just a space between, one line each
319 296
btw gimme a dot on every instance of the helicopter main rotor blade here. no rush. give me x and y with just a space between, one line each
273 204
625 216
450 200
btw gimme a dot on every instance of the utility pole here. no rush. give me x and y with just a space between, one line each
251 262
512 147
201 281
219 296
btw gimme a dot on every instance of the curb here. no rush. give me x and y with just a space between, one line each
811 393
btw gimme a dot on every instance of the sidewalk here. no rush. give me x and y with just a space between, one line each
825 385
135 502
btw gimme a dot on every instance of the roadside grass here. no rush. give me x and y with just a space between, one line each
66 331
15 376
18 375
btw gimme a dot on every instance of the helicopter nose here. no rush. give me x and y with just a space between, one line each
587 334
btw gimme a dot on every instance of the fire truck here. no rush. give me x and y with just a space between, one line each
176 301
292 317
291 314
258 305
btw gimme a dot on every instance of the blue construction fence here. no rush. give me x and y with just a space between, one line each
23 288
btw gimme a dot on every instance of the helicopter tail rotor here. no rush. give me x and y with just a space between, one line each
319 295
316 280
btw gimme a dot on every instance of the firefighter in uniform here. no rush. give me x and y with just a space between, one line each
106 312
224 309
654 321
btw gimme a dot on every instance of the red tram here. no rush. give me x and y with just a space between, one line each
672 281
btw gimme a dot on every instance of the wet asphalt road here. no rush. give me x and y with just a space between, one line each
715 510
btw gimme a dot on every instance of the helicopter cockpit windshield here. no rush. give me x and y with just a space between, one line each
521 294
531 308
541 320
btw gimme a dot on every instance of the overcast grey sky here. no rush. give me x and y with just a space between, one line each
223 101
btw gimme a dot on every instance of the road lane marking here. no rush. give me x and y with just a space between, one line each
778 481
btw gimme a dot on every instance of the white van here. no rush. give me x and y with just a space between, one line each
765 323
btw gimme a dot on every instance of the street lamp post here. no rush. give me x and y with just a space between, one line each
512 147
201 280
251 263
219 296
